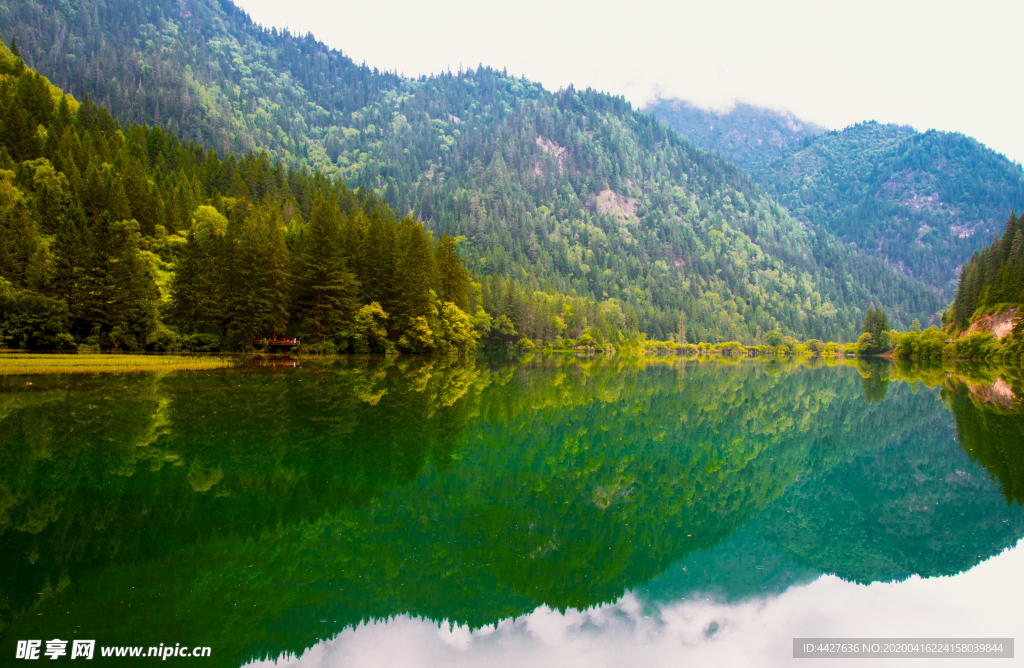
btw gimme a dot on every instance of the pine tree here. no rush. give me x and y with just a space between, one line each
327 294
377 277
451 276
120 294
250 297
413 271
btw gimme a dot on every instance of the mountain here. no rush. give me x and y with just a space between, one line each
552 194
746 134
921 201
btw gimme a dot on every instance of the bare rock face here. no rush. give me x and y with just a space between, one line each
999 392
998 325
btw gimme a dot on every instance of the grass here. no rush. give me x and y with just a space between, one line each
12 363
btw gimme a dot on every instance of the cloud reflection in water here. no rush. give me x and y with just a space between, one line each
983 602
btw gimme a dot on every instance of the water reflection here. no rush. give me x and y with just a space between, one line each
700 631
261 511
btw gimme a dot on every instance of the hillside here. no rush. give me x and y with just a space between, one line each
921 201
554 194
745 134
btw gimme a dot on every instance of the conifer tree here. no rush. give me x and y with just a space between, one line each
120 293
277 271
451 275
326 292
251 296
413 271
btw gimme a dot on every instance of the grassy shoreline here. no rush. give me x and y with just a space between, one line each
17 363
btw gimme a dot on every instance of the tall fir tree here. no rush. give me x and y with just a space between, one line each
326 293
452 278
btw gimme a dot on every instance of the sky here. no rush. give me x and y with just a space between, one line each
936 64
981 603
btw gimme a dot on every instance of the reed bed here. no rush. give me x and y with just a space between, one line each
33 363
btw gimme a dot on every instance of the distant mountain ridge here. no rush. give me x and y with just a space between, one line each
921 201
744 133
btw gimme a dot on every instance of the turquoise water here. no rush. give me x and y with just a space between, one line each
580 513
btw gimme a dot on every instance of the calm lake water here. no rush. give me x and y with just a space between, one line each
556 512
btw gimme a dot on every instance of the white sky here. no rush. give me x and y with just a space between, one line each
935 64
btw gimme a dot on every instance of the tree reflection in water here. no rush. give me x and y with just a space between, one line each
261 511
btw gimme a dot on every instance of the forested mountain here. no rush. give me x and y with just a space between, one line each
745 134
553 194
922 201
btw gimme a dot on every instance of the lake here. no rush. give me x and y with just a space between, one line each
556 511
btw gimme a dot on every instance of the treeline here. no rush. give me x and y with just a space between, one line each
993 276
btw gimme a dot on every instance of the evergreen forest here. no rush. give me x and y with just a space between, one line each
573 214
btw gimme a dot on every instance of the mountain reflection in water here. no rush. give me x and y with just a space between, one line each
262 511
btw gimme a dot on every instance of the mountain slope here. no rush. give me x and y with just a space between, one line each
922 201
553 192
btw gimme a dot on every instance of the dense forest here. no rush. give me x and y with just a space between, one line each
129 239
554 196
922 201
109 236
994 276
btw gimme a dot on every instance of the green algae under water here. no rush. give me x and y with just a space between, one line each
262 510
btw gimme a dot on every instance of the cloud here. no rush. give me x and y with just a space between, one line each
698 631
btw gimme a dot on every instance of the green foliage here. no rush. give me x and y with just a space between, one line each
325 290
926 345
33 321
125 239
875 338
454 334
368 332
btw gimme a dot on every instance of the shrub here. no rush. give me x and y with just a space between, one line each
162 339
367 333
202 343
326 348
